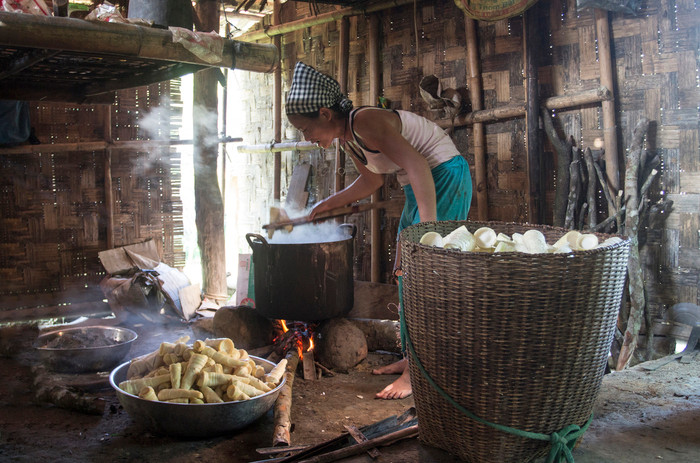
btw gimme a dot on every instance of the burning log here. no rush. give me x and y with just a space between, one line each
283 405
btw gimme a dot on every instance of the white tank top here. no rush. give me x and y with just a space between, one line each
424 135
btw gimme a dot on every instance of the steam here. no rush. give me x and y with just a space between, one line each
323 232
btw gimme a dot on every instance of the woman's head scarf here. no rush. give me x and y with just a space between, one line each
312 90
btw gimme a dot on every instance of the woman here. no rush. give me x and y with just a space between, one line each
434 176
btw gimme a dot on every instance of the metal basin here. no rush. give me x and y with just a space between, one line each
92 348
194 421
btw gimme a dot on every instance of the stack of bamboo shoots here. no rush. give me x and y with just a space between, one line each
533 241
208 371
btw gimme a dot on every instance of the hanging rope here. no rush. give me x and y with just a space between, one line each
562 441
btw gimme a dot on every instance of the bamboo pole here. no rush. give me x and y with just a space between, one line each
282 409
277 147
127 40
109 191
322 19
208 200
277 108
374 82
507 112
343 57
101 145
612 168
474 81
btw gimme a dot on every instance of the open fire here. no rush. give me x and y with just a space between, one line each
294 334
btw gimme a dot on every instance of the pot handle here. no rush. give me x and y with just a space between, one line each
261 241
352 226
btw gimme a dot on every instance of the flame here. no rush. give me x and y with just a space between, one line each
300 335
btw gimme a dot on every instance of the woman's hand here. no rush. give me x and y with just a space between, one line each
321 206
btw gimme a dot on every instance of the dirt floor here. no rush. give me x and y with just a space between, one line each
640 416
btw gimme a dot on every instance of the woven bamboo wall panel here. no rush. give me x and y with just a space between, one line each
52 210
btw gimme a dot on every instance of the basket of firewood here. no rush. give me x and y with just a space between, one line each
507 329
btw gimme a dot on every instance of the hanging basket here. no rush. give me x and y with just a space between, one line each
517 340
494 10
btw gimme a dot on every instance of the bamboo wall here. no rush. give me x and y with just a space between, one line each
52 209
655 58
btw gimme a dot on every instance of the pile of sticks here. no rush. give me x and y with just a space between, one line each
581 185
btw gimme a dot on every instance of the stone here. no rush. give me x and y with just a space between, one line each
244 326
340 344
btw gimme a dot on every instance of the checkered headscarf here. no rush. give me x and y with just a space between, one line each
312 91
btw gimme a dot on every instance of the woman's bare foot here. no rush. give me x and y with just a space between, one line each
398 389
392 369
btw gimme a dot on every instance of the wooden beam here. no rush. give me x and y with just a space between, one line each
374 85
532 43
128 40
322 19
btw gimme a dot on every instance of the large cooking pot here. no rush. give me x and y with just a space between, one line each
304 281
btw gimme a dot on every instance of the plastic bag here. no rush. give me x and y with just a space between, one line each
37 7
621 6
207 46
109 13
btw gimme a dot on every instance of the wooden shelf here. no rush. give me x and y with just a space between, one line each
72 60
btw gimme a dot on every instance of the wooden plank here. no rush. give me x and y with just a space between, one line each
297 195
372 300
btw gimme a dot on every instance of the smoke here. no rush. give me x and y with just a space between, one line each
155 124
206 125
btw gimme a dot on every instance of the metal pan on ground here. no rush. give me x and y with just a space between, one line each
84 349
194 421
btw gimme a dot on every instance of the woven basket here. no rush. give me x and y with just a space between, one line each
516 339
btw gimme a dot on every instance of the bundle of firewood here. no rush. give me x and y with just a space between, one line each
581 181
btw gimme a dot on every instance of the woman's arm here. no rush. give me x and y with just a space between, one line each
381 131
363 186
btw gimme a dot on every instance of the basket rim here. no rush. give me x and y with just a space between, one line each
404 239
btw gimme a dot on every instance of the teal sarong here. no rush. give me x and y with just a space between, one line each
453 193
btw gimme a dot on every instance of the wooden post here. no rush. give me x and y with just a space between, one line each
277 107
343 54
612 168
376 255
474 81
535 210
208 201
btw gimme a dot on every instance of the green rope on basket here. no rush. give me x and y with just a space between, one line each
562 441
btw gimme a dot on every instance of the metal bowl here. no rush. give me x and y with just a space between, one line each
85 358
193 421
